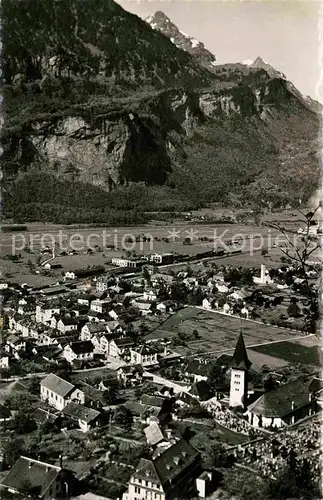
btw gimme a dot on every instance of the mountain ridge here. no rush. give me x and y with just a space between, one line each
127 133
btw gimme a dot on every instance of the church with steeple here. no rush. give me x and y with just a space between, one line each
240 365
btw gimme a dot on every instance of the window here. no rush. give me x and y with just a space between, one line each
137 489
139 481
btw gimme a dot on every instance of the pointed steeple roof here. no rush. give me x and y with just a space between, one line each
240 358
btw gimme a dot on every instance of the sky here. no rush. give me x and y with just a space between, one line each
285 33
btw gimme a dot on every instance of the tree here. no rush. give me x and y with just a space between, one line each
34 385
295 481
124 417
237 484
299 251
23 423
12 449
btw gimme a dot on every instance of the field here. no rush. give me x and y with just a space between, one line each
218 334
250 239
292 352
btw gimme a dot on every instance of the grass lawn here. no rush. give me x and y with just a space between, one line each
218 332
292 352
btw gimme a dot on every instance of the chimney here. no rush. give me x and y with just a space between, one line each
293 405
310 397
61 461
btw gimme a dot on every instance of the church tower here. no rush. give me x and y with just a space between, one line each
240 365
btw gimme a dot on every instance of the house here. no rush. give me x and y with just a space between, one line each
101 306
117 347
94 398
161 279
283 406
210 303
65 325
130 375
41 480
149 296
84 273
166 306
15 344
161 258
102 284
44 313
92 329
143 355
58 392
86 418
85 299
81 350
144 307
169 473
4 361
122 262
197 371
41 416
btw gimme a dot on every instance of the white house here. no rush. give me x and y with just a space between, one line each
65 325
117 347
86 418
143 355
81 350
210 303
58 392
44 313
92 329
100 306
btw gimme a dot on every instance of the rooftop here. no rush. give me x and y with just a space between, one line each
38 475
57 385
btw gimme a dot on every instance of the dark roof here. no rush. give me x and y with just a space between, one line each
38 475
315 385
197 368
82 346
57 385
91 392
96 327
123 341
278 402
80 412
155 401
240 357
202 390
165 467
68 321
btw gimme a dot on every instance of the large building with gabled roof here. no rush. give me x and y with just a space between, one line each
240 365
169 473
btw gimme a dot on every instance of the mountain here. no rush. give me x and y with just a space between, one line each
259 63
106 118
160 22
307 101
94 40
